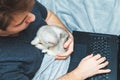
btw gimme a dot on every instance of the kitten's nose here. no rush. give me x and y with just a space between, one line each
35 41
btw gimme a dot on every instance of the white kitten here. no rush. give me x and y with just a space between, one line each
50 39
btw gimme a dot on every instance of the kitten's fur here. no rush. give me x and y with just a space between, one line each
50 39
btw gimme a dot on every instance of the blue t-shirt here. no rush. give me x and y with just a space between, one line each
19 60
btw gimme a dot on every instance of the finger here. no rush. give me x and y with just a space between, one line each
60 58
68 53
103 64
87 57
67 43
97 56
104 71
101 60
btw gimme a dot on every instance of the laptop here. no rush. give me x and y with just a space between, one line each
107 45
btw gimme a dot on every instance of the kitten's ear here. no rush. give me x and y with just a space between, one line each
35 41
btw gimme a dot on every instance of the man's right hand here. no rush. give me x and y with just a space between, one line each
91 65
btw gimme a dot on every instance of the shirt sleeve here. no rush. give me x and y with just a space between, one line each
42 9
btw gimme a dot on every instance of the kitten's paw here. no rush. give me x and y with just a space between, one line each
44 50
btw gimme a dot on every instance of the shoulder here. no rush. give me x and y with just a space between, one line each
39 8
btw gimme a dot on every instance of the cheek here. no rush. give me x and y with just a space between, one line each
17 29
21 28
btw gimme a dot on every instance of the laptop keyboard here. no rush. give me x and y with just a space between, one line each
99 44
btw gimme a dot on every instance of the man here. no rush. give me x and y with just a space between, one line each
19 60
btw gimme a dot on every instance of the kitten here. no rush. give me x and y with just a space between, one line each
50 39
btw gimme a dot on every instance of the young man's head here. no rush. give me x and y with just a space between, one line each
15 16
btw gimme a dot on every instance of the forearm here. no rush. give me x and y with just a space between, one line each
52 19
71 76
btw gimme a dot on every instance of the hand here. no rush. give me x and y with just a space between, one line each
90 66
69 46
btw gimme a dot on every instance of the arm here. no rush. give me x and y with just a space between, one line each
52 19
88 67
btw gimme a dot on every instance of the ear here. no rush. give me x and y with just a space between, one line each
35 41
